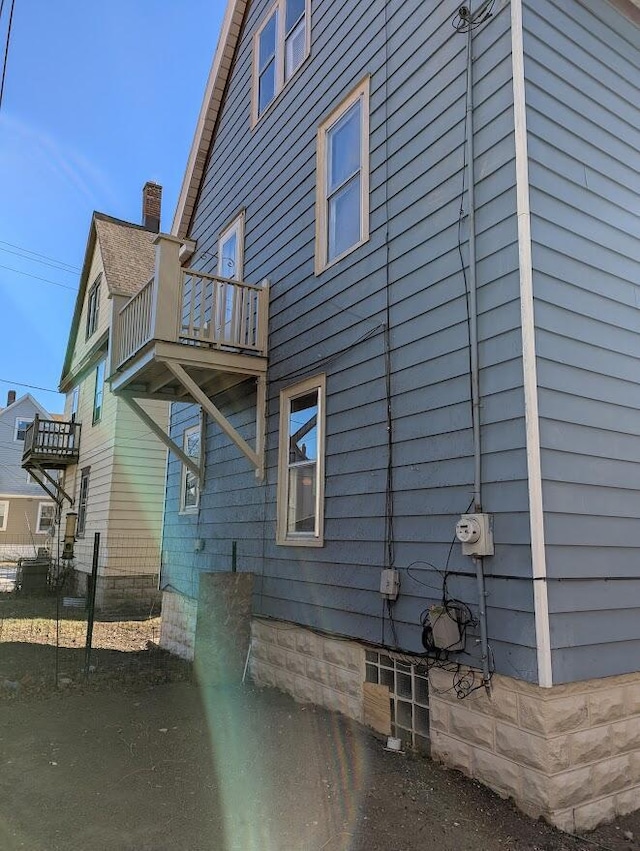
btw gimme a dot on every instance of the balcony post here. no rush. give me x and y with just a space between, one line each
117 303
167 302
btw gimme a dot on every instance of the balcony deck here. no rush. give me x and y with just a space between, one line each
51 444
213 329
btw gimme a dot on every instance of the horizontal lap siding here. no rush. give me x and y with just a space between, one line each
334 323
582 70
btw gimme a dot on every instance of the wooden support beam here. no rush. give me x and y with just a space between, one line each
200 397
57 488
161 434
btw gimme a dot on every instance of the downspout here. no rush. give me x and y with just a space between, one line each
473 340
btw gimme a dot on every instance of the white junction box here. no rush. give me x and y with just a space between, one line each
390 583
475 533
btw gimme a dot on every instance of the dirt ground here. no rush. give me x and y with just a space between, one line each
139 757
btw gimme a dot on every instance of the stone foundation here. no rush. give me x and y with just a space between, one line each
137 593
178 624
570 754
312 668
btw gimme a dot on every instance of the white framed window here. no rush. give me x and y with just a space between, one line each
46 518
83 499
21 427
281 45
93 307
4 515
189 485
300 519
75 399
342 179
230 266
98 394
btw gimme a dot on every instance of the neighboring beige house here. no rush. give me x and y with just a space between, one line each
26 513
116 477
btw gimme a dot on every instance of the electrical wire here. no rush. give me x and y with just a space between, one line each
52 264
39 278
6 51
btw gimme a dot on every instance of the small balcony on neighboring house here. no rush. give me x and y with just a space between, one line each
186 336
50 446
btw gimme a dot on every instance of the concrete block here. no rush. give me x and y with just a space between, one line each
438 715
286 636
306 691
606 706
451 752
589 816
471 727
553 716
612 775
317 670
591 745
344 654
562 819
500 774
441 685
626 735
535 790
309 644
502 703
571 788
296 663
632 698
524 747
628 801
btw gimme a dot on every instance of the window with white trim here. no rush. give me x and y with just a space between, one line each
83 499
75 399
230 265
190 487
21 427
46 518
281 45
93 307
4 515
301 464
98 394
342 180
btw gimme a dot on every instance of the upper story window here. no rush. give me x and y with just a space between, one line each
230 265
83 501
46 518
342 182
98 395
93 306
189 486
4 515
281 46
301 464
21 426
75 398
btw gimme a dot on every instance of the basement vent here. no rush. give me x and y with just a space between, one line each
408 685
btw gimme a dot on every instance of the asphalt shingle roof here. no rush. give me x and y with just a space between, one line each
128 254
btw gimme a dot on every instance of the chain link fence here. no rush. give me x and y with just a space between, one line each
68 624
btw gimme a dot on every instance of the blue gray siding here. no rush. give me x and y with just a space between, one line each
333 323
582 63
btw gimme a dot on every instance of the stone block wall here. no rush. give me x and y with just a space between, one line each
570 754
178 624
132 593
313 668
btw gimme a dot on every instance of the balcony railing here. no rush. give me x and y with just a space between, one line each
51 443
191 308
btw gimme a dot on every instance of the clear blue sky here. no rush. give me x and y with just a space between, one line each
99 98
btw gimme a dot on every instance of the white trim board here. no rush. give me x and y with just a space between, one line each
530 378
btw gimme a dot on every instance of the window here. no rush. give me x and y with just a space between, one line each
46 518
281 46
4 515
301 464
230 265
342 182
21 428
190 488
75 398
93 306
98 396
82 501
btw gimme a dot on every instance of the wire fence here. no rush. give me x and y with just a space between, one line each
73 623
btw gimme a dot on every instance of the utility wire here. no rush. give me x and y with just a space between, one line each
58 265
30 386
38 278
6 50
37 254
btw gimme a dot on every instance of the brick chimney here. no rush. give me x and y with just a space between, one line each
11 397
151 203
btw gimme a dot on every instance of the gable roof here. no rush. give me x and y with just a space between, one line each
128 256
27 397
211 103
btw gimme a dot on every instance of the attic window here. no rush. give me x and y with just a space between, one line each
281 46
93 306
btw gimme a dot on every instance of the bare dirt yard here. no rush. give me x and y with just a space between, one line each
141 758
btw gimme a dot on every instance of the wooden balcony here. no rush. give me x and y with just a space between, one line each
187 322
50 444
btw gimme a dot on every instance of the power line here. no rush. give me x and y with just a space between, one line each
30 386
6 51
38 278
49 261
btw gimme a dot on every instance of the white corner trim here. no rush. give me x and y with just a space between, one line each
530 378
